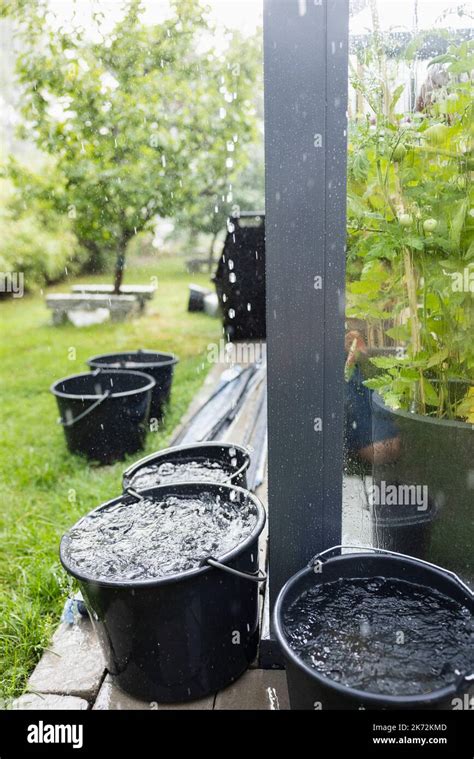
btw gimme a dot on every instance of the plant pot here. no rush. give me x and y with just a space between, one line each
403 529
232 457
104 413
183 636
160 366
438 454
309 689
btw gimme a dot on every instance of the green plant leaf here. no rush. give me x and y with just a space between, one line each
386 362
437 358
431 395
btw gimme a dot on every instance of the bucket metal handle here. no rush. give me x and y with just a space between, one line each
135 494
259 577
453 575
71 422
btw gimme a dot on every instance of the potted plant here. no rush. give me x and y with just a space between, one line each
411 260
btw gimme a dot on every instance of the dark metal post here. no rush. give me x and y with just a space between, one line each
306 72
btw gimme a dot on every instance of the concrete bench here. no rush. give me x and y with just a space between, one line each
119 306
141 292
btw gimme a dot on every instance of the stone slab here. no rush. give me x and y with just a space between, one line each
72 665
49 702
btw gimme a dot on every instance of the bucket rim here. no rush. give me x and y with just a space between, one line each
171 359
137 465
457 424
90 397
188 574
374 699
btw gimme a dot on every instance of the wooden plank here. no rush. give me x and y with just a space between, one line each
256 689
199 400
111 698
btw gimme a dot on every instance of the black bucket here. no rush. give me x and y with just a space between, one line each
187 635
104 414
404 529
438 453
197 295
232 458
308 689
160 366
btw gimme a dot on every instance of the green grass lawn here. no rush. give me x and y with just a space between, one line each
44 488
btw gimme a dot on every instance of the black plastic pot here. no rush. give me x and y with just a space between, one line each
308 689
438 453
104 414
160 366
403 529
197 295
233 457
184 636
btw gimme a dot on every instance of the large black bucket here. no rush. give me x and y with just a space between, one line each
233 458
187 635
160 366
403 528
439 454
309 689
104 414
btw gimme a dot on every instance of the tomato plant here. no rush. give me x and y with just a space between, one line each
410 233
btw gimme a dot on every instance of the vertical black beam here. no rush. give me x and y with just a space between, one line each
306 71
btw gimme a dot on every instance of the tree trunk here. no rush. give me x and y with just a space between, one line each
119 269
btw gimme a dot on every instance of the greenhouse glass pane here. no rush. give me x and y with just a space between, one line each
409 475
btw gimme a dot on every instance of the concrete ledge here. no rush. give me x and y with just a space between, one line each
73 665
49 702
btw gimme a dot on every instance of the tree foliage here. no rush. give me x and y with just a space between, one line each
140 122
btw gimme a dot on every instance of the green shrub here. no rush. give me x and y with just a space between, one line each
44 249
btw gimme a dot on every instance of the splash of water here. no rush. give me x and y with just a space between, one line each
149 539
168 472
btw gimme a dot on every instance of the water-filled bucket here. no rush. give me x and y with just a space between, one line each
104 414
160 366
185 635
231 462
310 689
